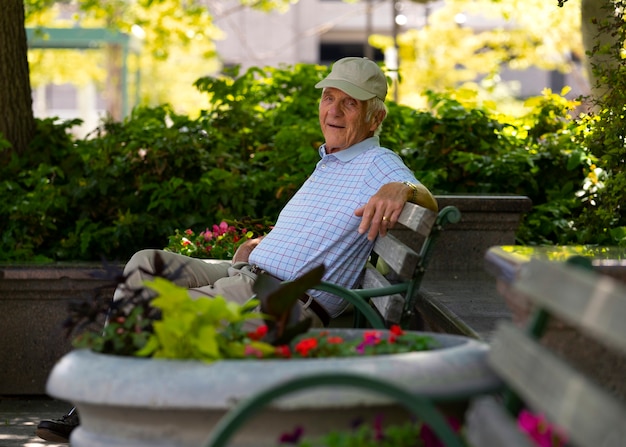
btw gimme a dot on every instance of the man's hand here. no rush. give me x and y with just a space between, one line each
243 252
383 209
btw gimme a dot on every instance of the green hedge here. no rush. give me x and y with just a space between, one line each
131 184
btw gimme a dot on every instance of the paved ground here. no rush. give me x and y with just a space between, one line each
469 299
465 298
19 416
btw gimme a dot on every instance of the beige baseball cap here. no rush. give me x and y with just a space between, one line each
358 77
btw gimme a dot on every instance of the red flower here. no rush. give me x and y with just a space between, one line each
334 340
304 346
396 330
283 351
188 232
258 334
372 337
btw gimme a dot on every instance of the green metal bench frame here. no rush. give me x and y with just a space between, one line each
422 408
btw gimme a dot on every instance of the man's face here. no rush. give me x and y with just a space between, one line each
342 119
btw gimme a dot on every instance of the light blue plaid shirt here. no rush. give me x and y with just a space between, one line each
318 225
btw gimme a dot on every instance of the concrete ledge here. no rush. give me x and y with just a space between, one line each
486 221
33 307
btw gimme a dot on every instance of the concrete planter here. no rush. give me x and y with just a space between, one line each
486 220
146 402
33 306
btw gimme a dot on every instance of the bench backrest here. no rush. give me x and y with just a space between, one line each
596 306
402 266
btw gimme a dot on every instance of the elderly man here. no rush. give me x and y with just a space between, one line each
355 193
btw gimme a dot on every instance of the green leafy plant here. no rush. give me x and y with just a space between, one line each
376 434
161 320
218 242
201 329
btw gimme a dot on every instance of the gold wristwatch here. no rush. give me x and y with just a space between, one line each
415 196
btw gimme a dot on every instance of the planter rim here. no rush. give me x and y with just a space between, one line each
455 370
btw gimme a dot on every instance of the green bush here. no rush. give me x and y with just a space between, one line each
131 184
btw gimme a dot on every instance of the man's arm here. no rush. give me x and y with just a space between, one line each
422 196
243 252
383 209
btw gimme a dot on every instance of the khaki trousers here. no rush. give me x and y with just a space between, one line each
203 277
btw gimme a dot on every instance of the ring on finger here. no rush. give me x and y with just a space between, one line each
385 219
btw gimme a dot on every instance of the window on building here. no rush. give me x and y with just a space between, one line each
330 52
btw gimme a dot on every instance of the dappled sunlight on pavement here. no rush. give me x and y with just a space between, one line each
19 417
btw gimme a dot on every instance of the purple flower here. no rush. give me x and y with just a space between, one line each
293 437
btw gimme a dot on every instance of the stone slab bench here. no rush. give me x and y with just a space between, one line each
486 221
33 307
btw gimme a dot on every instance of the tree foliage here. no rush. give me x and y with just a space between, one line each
173 34
518 34
134 182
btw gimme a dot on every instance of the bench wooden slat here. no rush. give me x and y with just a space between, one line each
490 425
587 413
595 304
417 218
390 306
402 259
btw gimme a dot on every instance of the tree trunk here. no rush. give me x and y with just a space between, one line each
114 89
594 12
17 122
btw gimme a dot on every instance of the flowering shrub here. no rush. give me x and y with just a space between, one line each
327 344
218 242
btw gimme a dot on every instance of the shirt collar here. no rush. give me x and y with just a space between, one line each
353 151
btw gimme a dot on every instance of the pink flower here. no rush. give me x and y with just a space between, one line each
222 229
540 430
250 351
188 232
370 338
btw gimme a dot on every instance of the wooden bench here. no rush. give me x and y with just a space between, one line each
550 385
388 291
